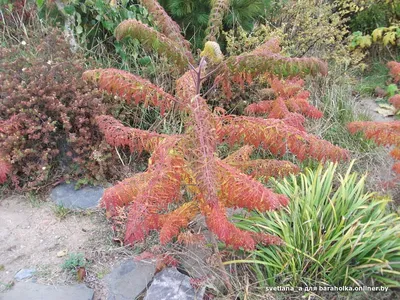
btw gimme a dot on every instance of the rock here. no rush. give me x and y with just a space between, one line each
170 284
84 198
129 279
24 274
34 291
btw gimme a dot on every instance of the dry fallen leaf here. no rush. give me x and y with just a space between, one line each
386 110
81 274
62 253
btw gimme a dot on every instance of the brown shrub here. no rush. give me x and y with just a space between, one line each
47 114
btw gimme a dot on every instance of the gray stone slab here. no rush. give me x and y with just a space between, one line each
84 198
128 280
24 274
170 284
34 291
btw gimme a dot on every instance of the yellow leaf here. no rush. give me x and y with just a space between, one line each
377 34
390 37
365 41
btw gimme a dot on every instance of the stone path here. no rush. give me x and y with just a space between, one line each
34 291
67 196
128 280
170 284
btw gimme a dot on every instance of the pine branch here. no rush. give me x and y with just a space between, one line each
123 193
130 87
154 40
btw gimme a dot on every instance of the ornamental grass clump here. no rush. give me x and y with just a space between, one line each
334 234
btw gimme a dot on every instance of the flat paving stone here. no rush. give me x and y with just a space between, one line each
128 279
67 196
34 291
24 274
170 284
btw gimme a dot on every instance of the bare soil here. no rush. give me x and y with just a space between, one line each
32 235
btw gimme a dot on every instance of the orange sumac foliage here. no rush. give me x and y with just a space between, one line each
266 168
276 136
130 87
394 70
184 172
395 100
5 168
290 100
265 60
118 135
382 133
154 40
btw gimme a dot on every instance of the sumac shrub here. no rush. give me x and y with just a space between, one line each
46 115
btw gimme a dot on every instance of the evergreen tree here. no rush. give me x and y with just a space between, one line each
193 15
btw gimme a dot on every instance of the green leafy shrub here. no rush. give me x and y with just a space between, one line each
375 15
334 232
304 29
46 114
95 21
381 36
90 25
375 27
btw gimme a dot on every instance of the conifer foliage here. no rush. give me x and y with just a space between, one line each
184 171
